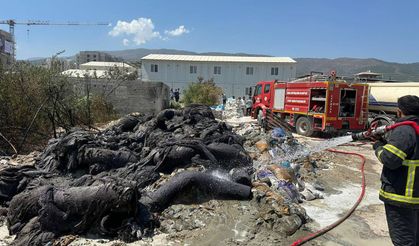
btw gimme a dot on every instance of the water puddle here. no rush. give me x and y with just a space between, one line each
355 230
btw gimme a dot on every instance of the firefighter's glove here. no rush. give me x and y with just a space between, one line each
378 138
379 143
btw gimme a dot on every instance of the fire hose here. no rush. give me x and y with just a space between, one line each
381 130
318 233
372 133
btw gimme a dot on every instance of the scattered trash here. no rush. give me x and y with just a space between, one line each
318 186
278 133
262 145
218 107
285 164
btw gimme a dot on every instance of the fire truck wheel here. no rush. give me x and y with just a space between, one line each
304 126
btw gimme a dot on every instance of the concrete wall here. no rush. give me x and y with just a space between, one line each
127 96
233 78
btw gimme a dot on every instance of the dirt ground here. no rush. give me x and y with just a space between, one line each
342 179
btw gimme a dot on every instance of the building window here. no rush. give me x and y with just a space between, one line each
217 70
249 70
192 69
154 68
274 71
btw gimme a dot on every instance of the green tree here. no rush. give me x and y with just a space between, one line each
202 92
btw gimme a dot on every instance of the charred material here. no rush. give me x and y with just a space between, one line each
88 182
194 187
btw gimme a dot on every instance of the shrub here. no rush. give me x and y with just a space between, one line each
95 109
202 92
175 105
35 101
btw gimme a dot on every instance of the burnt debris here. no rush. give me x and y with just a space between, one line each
110 183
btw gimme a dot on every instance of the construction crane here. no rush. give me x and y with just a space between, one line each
12 24
57 54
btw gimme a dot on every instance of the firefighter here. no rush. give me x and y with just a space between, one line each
248 106
399 154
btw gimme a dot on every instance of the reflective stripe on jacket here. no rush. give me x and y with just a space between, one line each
400 158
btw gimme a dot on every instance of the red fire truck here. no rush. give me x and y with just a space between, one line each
314 103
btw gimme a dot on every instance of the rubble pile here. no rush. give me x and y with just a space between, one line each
115 183
276 185
279 183
232 109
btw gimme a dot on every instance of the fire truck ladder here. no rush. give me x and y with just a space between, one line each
364 108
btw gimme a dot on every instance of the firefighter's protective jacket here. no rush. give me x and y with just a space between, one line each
400 158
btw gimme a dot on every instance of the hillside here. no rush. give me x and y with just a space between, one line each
344 66
350 66
137 54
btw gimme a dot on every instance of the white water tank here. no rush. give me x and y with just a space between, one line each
383 96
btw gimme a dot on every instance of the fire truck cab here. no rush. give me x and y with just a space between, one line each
313 104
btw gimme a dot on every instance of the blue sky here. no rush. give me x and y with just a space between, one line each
383 29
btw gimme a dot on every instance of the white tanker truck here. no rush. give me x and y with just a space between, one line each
383 96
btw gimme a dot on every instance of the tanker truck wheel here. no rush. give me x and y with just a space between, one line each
304 126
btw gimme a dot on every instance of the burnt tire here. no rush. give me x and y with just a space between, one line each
304 126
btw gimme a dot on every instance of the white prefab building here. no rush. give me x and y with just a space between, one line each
95 65
233 73
100 70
